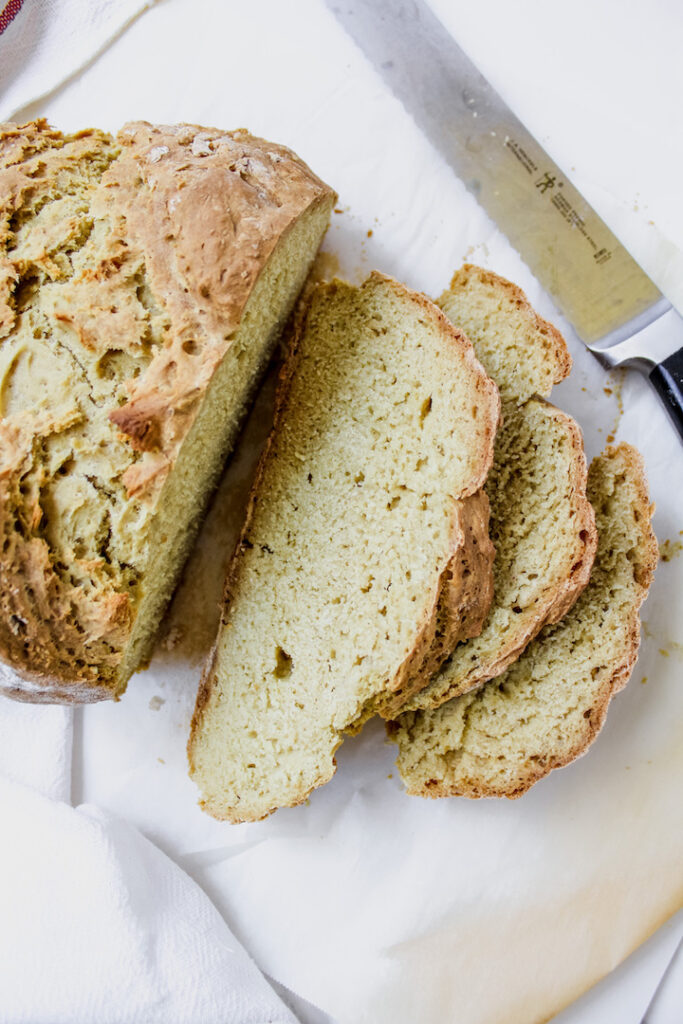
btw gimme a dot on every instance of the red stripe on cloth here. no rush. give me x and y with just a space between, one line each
9 13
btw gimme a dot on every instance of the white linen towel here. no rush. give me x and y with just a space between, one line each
44 42
96 923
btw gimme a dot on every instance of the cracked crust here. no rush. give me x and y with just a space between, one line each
550 705
126 264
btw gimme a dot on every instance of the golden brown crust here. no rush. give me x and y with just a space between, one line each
61 642
202 210
170 183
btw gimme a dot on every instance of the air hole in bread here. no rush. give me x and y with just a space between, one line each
283 664
425 410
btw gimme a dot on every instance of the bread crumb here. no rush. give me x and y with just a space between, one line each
155 703
669 549
614 388
175 635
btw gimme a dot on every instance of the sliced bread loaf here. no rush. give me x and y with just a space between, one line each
542 524
549 706
349 576
144 280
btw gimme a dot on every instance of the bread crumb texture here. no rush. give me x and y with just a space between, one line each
542 524
143 281
353 543
550 704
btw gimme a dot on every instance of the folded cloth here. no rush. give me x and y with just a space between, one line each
44 42
99 925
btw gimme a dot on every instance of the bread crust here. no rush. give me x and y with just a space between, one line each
205 209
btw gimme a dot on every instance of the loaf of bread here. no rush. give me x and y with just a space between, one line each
354 574
550 704
542 524
144 281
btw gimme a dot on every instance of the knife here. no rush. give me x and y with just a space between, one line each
616 310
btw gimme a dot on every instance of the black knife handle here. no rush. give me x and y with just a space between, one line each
667 378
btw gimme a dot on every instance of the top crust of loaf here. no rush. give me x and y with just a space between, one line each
241 750
529 355
145 248
549 706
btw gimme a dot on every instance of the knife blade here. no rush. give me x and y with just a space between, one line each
615 308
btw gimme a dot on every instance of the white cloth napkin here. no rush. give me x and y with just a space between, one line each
96 923
48 41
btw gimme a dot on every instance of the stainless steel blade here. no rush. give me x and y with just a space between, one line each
596 284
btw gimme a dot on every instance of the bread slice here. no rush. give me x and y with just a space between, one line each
144 281
523 353
542 524
550 704
349 576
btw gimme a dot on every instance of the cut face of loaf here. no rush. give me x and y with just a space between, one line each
144 281
542 524
549 706
349 575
